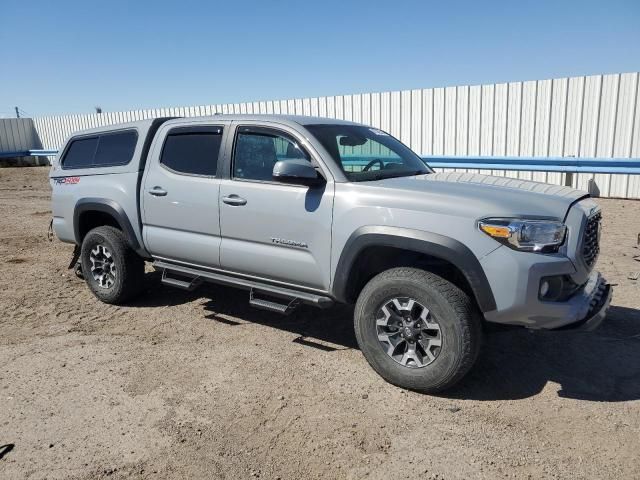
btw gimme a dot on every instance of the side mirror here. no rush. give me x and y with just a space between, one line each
298 171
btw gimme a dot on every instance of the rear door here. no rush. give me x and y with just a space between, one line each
271 230
179 195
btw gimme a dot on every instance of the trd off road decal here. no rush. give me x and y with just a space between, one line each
66 180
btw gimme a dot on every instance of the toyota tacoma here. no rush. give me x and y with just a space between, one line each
303 210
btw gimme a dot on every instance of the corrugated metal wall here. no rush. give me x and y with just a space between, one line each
593 116
18 134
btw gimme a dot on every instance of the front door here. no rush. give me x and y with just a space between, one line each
272 230
180 195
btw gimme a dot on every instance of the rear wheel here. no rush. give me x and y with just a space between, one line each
416 329
112 270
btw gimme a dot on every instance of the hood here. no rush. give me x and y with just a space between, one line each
485 195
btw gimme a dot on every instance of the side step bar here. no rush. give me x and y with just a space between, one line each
183 284
254 286
270 305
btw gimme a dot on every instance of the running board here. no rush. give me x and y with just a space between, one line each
183 284
289 294
272 306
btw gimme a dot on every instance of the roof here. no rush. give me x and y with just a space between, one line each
139 124
299 119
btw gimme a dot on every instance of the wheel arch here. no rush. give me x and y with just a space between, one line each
110 212
410 241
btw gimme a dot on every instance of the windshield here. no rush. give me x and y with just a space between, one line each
366 153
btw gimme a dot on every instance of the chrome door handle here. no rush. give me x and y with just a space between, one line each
234 200
157 192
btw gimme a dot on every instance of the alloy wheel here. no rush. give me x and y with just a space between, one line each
408 332
103 266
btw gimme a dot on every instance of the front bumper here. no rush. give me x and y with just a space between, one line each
515 281
598 306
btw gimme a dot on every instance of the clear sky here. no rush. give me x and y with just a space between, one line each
69 56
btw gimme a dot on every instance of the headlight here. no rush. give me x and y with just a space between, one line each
529 235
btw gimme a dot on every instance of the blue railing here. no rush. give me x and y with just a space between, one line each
540 164
624 166
29 153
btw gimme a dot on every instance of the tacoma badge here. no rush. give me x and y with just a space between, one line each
291 243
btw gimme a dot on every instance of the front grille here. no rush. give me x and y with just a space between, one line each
591 240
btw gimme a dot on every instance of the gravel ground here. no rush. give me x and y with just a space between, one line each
199 385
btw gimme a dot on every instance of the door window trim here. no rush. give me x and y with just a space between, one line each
187 129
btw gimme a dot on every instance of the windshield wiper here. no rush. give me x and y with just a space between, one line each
383 175
407 174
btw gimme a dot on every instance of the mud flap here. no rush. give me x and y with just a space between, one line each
75 263
50 231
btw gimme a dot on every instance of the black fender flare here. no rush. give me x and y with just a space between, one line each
428 243
106 206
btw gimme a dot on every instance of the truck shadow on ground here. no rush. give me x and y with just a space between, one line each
602 366
514 363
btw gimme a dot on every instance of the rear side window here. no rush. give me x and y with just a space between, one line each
192 151
106 150
80 153
115 148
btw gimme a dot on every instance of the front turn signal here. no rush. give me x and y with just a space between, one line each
496 231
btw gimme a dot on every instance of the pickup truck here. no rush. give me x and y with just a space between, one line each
302 210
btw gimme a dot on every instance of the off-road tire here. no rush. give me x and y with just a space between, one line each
451 308
129 267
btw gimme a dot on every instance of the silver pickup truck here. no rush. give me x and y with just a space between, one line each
301 210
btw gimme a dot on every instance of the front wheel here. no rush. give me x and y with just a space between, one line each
112 270
416 329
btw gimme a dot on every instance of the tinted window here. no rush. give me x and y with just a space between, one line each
258 151
103 150
115 148
80 153
192 152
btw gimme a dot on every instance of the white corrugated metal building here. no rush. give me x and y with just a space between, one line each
592 116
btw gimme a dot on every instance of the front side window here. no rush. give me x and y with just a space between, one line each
366 153
103 150
258 149
192 151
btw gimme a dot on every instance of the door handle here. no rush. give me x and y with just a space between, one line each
234 200
157 192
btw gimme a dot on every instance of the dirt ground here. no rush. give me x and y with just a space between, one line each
200 385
